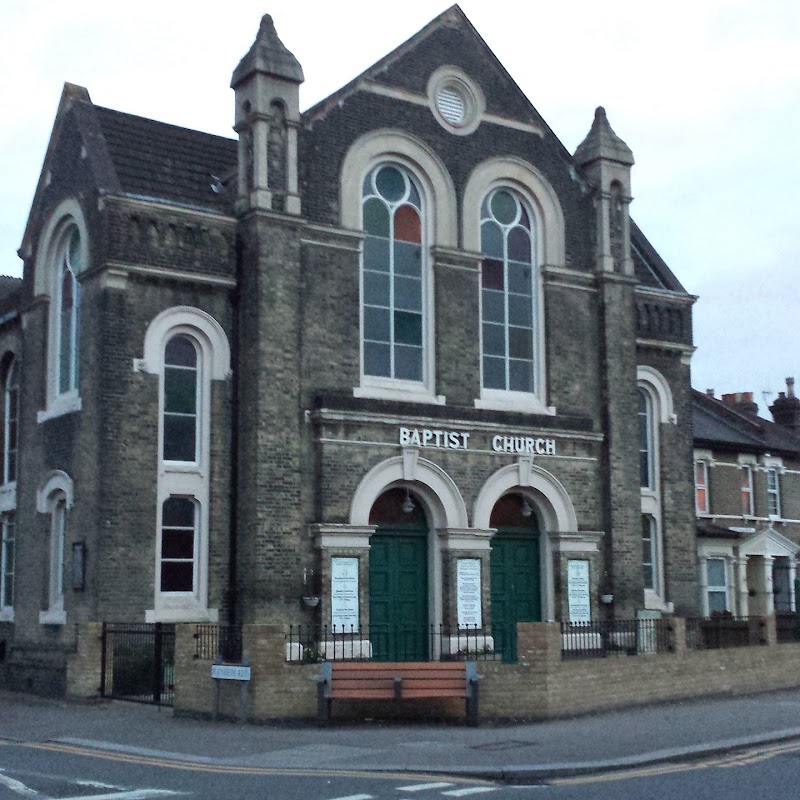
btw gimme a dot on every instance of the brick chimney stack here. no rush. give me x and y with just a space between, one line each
786 409
741 401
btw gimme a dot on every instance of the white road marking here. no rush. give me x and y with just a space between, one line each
471 790
133 794
423 787
18 787
355 797
98 785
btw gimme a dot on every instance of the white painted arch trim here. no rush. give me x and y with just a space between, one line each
430 482
207 331
552 499
658 386
56 482
66 214
396 146
534 187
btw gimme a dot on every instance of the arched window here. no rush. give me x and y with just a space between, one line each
10 423
646 466
181 399
393 284
508 294
67 309
55 499
188 350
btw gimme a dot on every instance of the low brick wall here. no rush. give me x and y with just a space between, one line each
539 686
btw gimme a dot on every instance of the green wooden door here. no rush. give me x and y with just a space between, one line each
398 594
516 594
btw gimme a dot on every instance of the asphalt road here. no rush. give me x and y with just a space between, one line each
44 771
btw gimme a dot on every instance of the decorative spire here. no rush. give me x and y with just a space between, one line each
602 142
268 55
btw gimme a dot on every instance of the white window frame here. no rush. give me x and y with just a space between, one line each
652 438
189 596
701 485
55 498
186 479
10 413
773 492
7 534
67 217
381 387
716 588
747 471
655 555
202 404
660 408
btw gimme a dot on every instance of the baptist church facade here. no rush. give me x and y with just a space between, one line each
401 352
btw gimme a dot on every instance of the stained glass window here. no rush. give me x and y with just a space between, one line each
178 515
181 389
392 269
508 293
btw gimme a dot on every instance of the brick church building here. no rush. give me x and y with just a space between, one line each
400 359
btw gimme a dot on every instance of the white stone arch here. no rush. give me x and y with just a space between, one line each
56 482
67 214
426 166
551 499
656 384
430 482
534 187
216 351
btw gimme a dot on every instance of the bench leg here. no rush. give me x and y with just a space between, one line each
472 705
323 703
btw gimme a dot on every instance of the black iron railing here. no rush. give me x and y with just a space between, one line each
787 627
138 662
218 642
379 642
601 638
719 632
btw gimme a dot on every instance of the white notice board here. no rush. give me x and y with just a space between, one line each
468 582
344 594
580 606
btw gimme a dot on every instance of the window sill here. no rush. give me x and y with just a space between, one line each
6 614
416 395
188 612
8 497
63 404
496 400
53 616
654 602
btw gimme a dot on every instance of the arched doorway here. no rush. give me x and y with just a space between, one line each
398 578
515 567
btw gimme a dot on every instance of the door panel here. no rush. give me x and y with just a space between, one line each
398 594
516 591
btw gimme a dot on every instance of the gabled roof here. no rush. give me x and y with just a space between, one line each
166 162
650 269
141 157
720 426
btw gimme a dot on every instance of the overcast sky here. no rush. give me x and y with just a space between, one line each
705 92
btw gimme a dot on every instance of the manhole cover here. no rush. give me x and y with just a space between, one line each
512 744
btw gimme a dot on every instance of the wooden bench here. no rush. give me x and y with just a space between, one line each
398 681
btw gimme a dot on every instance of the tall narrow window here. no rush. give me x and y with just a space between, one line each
10 415
393 292
716 585
508 294
58 535
181 396
701 487
178 544
7 522
773 493
646 471
68 310
650 560
747 491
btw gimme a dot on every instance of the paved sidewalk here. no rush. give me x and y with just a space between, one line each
530 751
